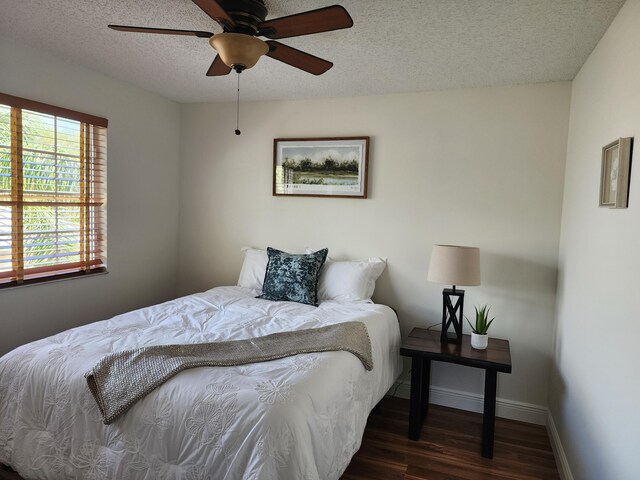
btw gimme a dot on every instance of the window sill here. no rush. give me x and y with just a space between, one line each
47 280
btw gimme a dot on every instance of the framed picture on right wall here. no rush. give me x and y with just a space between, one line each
614 175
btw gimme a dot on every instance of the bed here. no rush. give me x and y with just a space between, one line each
300 417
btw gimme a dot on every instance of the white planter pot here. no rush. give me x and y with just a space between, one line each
479 342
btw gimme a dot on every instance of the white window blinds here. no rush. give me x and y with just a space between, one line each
52 192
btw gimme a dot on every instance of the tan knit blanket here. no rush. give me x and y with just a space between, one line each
119 380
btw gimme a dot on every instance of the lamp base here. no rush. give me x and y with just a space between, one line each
452 315
450 337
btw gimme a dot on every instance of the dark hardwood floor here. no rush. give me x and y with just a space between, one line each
6 474
449 448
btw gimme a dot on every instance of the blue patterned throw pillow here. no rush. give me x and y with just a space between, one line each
292 277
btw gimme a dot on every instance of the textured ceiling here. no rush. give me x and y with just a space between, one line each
394 46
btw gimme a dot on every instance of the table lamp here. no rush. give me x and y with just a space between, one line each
454 265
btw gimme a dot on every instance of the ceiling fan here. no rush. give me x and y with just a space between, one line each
244 20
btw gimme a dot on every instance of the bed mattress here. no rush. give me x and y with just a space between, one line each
300 417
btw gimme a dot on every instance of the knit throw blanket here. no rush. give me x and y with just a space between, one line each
119 380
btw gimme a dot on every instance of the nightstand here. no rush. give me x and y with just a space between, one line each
423 345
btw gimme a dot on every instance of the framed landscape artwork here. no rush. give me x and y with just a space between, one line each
614 176
321 167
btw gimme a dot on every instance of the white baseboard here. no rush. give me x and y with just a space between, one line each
472 402
558 450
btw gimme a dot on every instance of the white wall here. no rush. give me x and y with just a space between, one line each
142 164
479 167
595 381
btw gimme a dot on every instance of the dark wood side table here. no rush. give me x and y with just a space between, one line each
423 345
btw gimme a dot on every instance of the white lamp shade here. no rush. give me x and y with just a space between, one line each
454 265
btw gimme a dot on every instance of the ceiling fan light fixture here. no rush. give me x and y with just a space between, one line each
238 49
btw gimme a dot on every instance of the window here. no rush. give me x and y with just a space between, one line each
52 192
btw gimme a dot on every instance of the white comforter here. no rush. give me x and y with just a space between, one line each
300 417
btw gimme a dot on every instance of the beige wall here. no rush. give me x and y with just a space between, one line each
595 383
142 194
479 167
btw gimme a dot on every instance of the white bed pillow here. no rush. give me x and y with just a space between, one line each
253 269
349 281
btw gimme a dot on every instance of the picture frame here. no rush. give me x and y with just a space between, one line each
321 167
614 173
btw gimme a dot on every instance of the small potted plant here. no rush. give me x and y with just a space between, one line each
479 337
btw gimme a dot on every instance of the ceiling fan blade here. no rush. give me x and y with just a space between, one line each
163 31
218 68
306 23
215 11
297 58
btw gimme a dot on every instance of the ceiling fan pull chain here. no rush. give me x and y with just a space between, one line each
238 108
